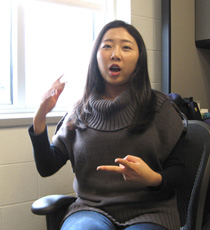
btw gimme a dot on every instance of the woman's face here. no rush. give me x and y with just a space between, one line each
117 57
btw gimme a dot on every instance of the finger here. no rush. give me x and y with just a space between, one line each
57 89
111 168
132 158
57 81
60 87
122 162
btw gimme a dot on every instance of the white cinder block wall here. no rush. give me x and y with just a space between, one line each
20 183
146 17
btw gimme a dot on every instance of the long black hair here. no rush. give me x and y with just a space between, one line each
140 83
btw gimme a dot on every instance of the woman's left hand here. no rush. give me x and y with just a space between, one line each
134 169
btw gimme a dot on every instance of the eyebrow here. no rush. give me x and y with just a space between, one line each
123 40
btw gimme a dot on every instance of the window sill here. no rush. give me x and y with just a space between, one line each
26 119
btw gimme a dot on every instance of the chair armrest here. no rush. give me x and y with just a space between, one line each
49 204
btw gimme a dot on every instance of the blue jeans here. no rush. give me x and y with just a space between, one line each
90 220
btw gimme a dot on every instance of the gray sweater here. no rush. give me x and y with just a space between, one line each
106 138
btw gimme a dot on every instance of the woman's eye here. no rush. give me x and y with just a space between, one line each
127 48
106 46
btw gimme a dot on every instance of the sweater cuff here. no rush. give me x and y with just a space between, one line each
40 138
160 187
32 134
157 188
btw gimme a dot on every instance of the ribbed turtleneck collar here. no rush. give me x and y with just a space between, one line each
108 115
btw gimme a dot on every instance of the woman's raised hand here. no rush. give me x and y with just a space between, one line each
134 169
48 102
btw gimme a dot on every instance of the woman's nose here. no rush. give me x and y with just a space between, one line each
115 56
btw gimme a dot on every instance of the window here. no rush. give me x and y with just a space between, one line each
44 39
5 54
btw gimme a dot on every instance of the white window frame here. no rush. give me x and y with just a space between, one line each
15 116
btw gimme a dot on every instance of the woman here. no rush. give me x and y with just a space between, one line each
123 140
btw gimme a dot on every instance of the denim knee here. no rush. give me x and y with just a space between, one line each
145 226
87 220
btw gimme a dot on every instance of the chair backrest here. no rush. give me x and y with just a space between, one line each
192 196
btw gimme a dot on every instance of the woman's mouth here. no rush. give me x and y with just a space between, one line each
114 69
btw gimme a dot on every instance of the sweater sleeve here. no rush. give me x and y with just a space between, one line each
173 175
48 158
171 135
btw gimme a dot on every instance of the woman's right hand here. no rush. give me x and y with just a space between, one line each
48 102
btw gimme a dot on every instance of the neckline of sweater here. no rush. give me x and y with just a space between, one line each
110 115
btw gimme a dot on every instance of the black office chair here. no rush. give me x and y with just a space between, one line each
191 197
